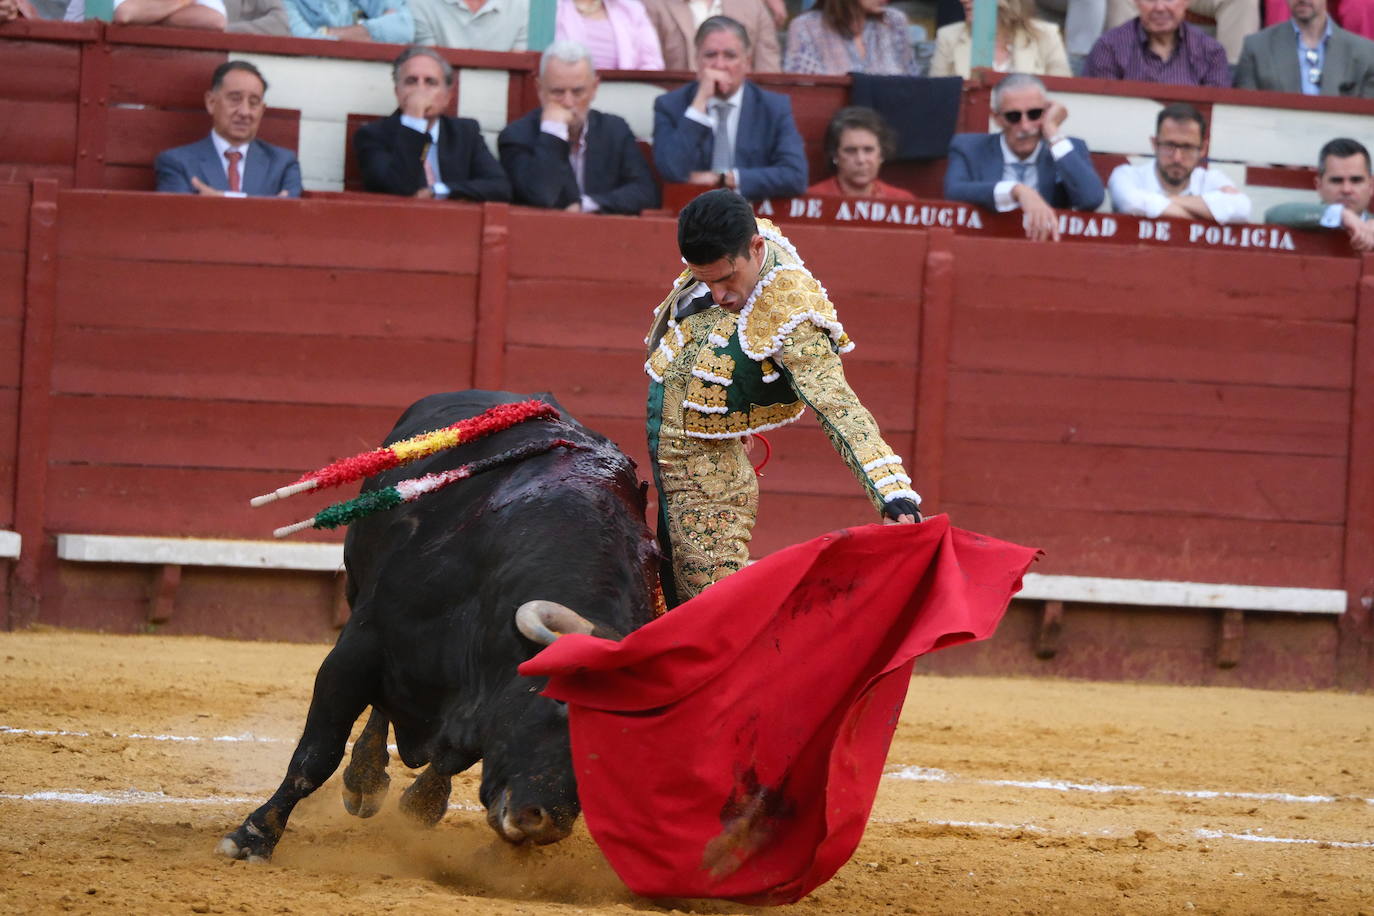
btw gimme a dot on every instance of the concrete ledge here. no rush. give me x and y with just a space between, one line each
9 544
1183 594
105 548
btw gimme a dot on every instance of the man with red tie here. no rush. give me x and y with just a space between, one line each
231 162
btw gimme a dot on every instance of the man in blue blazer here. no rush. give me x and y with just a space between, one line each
723 131
231 162
1029 165
568 156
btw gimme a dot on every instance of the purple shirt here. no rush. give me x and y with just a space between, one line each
1123 53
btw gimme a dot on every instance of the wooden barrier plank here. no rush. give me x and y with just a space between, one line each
1022 407
23 173
40 71
867 262
634 250
249 298
181 502
1355 663
1033 476
790 518
553 312
162 77
1195 349
387 235
1125 279
1143 546
256 367
286 438
37 133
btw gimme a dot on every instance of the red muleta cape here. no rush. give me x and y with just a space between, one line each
733 747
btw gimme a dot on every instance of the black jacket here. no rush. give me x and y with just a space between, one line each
615 174
390 155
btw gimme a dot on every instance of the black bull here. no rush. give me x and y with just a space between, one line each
432 644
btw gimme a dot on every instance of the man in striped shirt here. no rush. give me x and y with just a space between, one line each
1159 47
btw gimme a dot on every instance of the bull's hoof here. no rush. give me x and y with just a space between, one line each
246 843
364 804
426 800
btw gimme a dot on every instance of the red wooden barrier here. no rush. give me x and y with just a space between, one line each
1062 395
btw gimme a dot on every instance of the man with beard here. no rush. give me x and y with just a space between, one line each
1030 165
1308 54
1176 183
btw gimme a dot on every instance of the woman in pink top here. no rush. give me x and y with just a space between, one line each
857 141
618 33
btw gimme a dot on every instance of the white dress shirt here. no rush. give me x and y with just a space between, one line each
223 146
1135 189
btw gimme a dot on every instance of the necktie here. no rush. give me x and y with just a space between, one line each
233 156
431 179
1021 168
722 154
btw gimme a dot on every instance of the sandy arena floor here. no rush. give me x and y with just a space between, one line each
124 759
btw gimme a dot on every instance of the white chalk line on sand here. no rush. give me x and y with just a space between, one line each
62 733
930 774
138 797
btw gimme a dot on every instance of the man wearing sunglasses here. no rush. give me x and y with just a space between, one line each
1309 54
1028 165
1176 183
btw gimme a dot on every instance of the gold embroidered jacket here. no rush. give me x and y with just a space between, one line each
760 368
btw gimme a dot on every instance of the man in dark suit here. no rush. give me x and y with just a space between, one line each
1029 165
1308 54
566 155
231 161
723 131
419 151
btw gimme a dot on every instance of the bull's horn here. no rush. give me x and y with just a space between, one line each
545 621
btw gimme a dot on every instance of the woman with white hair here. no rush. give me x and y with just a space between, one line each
618 33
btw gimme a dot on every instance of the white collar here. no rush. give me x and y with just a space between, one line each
222 145
1010 158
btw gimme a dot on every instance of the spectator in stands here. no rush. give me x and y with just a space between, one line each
1159 47
16 9
1083 22
1175 183
617 33
1030 164
567 155
1023 44
183 14
484 25
1235 19
850 36
1354 15
722 130
421 152
231 162
386 21
677 22
857 142
257 17
1310 54
1344 185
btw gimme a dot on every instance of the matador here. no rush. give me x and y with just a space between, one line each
745 342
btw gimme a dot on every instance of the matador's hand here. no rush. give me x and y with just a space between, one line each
901 512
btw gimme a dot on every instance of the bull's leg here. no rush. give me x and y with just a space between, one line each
365 782
426 799
343 688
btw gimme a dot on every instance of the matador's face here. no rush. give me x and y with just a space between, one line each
731 279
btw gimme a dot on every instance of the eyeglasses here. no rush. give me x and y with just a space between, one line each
1166 148
1014 117
1314 70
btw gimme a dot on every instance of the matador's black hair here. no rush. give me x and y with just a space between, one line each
717 224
